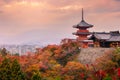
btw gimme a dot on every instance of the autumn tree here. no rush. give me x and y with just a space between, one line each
74 71
68 53
116 56
4 52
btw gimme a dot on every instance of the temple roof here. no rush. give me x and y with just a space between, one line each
83 23
102 36
81 33
112 36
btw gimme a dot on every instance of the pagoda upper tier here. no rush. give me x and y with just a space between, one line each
83 24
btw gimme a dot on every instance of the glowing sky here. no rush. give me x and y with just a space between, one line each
49 21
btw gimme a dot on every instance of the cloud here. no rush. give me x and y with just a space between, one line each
22 16
1 11
117 0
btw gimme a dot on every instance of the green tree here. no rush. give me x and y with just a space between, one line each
107 78
36 76
5 70
10 70
116 56
16 72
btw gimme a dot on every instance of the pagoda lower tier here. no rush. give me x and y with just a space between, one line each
82 34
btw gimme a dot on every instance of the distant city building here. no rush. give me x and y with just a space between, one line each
20 49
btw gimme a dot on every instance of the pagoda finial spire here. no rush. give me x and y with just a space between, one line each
82 14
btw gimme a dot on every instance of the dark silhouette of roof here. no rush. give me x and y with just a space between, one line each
83 24
114 38
83 33
111 36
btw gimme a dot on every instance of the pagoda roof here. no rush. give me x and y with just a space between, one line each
83 33
83 23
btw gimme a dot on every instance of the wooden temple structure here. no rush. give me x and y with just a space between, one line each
106 39
83 32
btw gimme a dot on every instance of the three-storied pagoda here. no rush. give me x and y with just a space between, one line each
82 32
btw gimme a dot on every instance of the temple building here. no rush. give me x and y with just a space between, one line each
106 39
95 39
83 32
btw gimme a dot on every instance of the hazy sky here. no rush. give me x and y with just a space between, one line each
49 21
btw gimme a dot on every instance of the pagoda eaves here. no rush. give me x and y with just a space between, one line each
83 33
83 24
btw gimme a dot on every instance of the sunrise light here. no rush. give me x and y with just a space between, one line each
25 18
71 7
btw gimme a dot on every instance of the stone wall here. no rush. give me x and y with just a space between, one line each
89 55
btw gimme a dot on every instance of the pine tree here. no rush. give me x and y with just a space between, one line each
5 70
16 73
36 76
10 70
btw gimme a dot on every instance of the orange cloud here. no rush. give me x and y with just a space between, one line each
21 16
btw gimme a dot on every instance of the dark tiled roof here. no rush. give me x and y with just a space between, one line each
114 38
103 36
84 33
82 24
107 36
